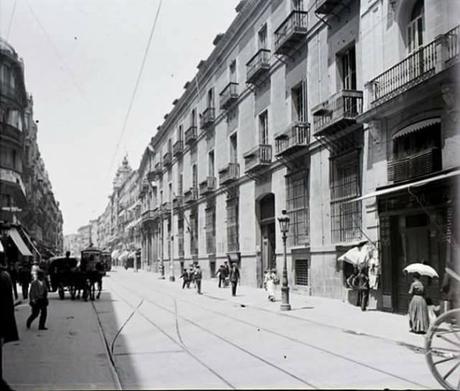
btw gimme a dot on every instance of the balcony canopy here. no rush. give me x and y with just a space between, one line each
416 126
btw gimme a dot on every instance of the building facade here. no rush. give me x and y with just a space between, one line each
30 217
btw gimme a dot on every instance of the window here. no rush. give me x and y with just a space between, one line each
180 133
170 146
297 5
211 164
193 118
301 271
298 208
348 69
232 72
298 97
232 224
416 27
233 149
180 235
345 184
211 229
263 128
194 176
210 98
194 232
262 37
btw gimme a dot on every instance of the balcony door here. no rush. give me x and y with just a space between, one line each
298 97
415 28
348 69
262 37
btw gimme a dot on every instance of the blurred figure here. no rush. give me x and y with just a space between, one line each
38 297
197 277
221 273
234 277
418 310
8 329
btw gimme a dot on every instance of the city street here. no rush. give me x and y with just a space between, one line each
178 339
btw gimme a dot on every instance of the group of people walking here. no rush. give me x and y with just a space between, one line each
226 274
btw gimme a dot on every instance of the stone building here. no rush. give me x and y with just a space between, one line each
342 113
30 218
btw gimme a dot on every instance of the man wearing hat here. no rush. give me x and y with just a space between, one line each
38 297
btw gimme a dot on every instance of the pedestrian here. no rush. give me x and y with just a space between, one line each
186 278
24 278
221 275
8 328
34 269
362 284
227 273
269 283
234 277
197 278
38 297
418 309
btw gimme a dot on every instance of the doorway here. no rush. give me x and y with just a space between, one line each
266 209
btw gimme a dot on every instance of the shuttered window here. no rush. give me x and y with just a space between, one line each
297 208
301 271
232 224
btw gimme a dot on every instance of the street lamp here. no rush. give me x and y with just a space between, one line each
284 226
153 183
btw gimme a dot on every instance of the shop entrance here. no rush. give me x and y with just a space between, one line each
266 209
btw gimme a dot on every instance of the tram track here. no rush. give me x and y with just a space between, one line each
268 330
180 342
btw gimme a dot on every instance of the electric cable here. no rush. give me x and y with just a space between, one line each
136 86
11 20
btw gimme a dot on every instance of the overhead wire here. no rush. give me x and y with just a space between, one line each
11 20
136 86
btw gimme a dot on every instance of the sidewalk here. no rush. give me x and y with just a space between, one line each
324 311
69 355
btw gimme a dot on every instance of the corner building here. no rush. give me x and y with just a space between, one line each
276 118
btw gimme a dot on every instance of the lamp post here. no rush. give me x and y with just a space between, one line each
160 238
284 226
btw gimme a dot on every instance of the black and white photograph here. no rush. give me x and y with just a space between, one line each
229 194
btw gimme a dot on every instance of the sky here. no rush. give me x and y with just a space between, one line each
82 59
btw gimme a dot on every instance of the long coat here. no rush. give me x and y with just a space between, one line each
8 329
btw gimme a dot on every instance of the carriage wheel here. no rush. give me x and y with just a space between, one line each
61 292
443 349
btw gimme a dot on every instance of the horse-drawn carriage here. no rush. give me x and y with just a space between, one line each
66 273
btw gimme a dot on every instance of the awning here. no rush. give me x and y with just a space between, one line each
115 254
17 239
416 126
123 256
30 242
408 185
1 248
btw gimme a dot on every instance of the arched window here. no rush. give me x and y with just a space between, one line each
416 27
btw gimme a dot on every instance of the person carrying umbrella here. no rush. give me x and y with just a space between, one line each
418 310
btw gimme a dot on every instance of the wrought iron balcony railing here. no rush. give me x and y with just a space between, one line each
178 202
208 185
259 158
191 195
191 135
295 138
419 66
258 66
421 163
291 32
207 117
229 173
229 95
339 111
178 148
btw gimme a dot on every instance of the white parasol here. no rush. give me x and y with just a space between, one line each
424 270
356 256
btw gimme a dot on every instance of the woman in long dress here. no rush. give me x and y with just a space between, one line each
418 309
270 284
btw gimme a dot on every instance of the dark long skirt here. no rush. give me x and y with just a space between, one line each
418 315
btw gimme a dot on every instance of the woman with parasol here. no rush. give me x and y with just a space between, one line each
418 310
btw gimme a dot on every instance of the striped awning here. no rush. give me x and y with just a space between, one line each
416 126
19 242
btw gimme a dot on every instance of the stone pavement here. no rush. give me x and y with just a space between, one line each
325 311
71 354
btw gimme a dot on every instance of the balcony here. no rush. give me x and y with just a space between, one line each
258 159
15 95
338 112
178 148
291 32
229 174
191 135
228 96
294 139
415 165
258 66
191 195
325 7
154 174
165 209
167 159
208 185
177 202
149 215
207 117
415 69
